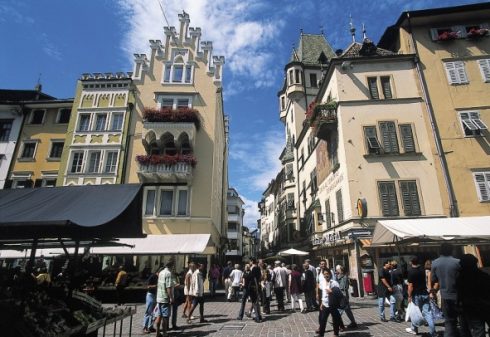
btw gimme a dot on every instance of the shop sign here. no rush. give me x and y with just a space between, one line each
360 233
326 238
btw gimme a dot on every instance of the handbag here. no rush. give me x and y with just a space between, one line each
414 314
436 312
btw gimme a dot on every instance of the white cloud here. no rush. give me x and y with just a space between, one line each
238 30
50 48
251 213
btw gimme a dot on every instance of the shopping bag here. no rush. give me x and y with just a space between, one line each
414 315
436 312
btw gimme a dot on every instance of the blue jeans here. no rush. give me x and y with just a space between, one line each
422 301
150 306
381 306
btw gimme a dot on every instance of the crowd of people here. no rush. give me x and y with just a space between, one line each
456 285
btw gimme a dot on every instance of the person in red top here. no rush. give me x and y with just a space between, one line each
214 276
295 288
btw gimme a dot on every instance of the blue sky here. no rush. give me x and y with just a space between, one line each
61 39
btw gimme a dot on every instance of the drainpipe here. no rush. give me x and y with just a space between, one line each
129 136
453 204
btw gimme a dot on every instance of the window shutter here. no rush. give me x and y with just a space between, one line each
461 72
373 87
475 118
434 34
340 206
327 213
410 198
371 137
407 138
387 196
451 72
485 69
482 180
388 134
386 85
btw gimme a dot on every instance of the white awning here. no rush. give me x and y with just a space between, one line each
161 245
26 253
389 231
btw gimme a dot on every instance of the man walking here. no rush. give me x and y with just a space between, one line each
151 298
226 280
165 297
385 291
251 289
445 272
417 294
280 283
343 281
197 291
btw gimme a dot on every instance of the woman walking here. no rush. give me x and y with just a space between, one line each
295 288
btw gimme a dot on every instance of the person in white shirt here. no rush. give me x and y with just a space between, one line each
165 298
197 291
235 278
187 286
280 282
329 303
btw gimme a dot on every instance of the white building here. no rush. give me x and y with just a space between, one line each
234 231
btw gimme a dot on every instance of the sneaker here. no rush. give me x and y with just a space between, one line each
395 319
410 331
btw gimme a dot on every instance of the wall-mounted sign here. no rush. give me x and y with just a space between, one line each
362 210
325 238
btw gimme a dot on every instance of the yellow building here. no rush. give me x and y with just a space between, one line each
179 146
37 157
452 45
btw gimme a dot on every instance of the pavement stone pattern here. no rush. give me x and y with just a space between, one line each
222 322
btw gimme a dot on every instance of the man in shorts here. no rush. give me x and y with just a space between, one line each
165 298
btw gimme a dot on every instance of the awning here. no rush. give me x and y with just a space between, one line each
165 244
20 254
463 228
80 212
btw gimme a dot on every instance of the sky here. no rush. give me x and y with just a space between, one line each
55 41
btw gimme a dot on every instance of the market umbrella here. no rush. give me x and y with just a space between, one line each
292 252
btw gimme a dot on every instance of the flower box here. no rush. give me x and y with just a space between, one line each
448 36
167 115
475 33
166 159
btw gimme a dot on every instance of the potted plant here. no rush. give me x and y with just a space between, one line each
448 36
475 33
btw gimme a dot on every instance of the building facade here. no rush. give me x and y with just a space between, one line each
179 146
234 235
95 150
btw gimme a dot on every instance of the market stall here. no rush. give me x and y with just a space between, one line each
65 218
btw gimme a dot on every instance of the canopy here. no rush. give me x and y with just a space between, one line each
292 251
160 245
391 231
80 212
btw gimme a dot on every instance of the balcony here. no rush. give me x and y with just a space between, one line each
165 169
323 119
232 234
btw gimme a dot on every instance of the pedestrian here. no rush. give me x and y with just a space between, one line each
266 284
165 298
418 295
343 281
444 273
151 300
427 267
121 283
295 288
397 295
197 291
309 285
320 279
236 279
187 286
227 281
251 290
385 291
474 295
214 276
179 298
280 282
287 268
314 272
329 304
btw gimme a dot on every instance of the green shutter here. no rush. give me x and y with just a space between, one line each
387 196
340 206
373 87
407 138
410 198
388 135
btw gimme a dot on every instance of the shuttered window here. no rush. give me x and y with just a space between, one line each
456 73
388 137
471 123
485 69
410 198
407 138
386 86
387 197
482 182
340 206
373 87
328 215
371 139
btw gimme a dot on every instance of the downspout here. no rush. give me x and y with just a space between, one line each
129 135
453 204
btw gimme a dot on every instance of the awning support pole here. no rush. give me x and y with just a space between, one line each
32 257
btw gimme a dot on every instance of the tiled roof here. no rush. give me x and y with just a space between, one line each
310 47
367 48
7 95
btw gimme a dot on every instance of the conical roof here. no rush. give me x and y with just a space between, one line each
310 47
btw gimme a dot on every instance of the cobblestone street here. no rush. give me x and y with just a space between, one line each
222 322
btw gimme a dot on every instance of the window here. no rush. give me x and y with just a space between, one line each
328 214
410 198
178 72
232 226
283 102
313 81
386 86
314 186
100 120
182 204
373 87
117 121
37 117
471 123
372 139
166 202
22 182
84 122
175 102
56 149
94 162
166 76
485 69
297 76
291 81
28 150
5 128
456 73
188 73
63 116
482 182
76 163
182 103
167 103
407 138
150 202
388 136
340 206
388 200
110 162
48 182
